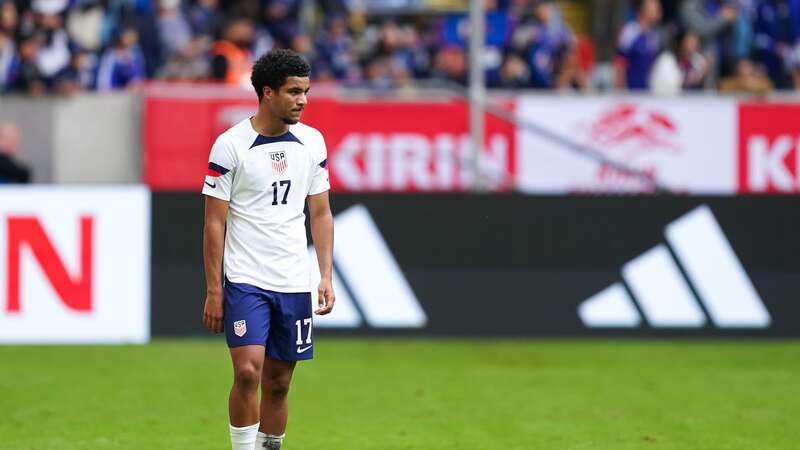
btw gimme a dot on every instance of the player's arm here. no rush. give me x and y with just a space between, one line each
319 209
213 243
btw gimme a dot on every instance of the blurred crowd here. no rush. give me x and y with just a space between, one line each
732 45
67 46
11 169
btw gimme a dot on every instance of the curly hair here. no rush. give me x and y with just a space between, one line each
272 69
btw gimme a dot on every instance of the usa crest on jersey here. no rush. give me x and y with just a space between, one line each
279 162
240 328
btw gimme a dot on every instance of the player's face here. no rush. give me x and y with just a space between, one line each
288 102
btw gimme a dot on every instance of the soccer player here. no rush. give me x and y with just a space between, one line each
261 172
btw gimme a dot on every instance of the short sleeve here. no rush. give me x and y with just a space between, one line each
221 169
320 181
626 40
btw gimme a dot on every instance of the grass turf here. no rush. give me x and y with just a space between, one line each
417 394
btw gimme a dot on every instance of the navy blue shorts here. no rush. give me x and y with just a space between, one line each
282 322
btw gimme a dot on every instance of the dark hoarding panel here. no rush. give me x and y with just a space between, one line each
507 265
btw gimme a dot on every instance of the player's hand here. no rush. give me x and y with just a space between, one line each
212 313
326 297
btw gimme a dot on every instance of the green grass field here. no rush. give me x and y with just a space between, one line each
418 394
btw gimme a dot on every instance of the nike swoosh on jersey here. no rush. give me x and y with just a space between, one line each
302 349
211 185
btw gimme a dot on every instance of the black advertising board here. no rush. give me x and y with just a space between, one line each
512 265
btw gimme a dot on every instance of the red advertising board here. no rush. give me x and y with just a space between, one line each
179 132
769 148
373 145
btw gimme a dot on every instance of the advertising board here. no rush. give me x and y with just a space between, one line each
75 264
687 144
515 265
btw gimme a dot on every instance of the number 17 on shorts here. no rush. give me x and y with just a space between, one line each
304 341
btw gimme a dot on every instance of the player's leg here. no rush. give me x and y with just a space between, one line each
275 380
248 363
291 339
246 317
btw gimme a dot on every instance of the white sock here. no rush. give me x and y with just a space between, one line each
244 438
269 441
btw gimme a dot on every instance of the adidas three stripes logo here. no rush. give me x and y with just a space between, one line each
693 277
369 284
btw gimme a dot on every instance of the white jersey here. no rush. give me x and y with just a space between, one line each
266 180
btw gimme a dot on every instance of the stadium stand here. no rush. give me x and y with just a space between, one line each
67 46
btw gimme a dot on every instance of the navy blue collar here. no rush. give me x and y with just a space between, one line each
285 137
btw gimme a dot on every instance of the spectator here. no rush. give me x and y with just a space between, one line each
455 27
282 19
79 74
231 57
53 54
694 65
9 18
607 17
8 60
743 30
303 45
417 53
451 65
11 170
638 46
708 18
190 63
334 7
336 52
173 27
775 34
713 21
377 72
25 74
746 80
548 44
514 72
793 64
263 41
455 31
145 21
666 77
204 17
38 42
394 45
498 34
122 65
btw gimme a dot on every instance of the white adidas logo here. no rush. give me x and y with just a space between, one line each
366 278
664 294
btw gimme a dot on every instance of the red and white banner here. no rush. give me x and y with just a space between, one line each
400 146
693 145
373 145
769 148
75 264
685 143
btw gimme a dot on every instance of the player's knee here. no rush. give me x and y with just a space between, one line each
278 389
247 376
